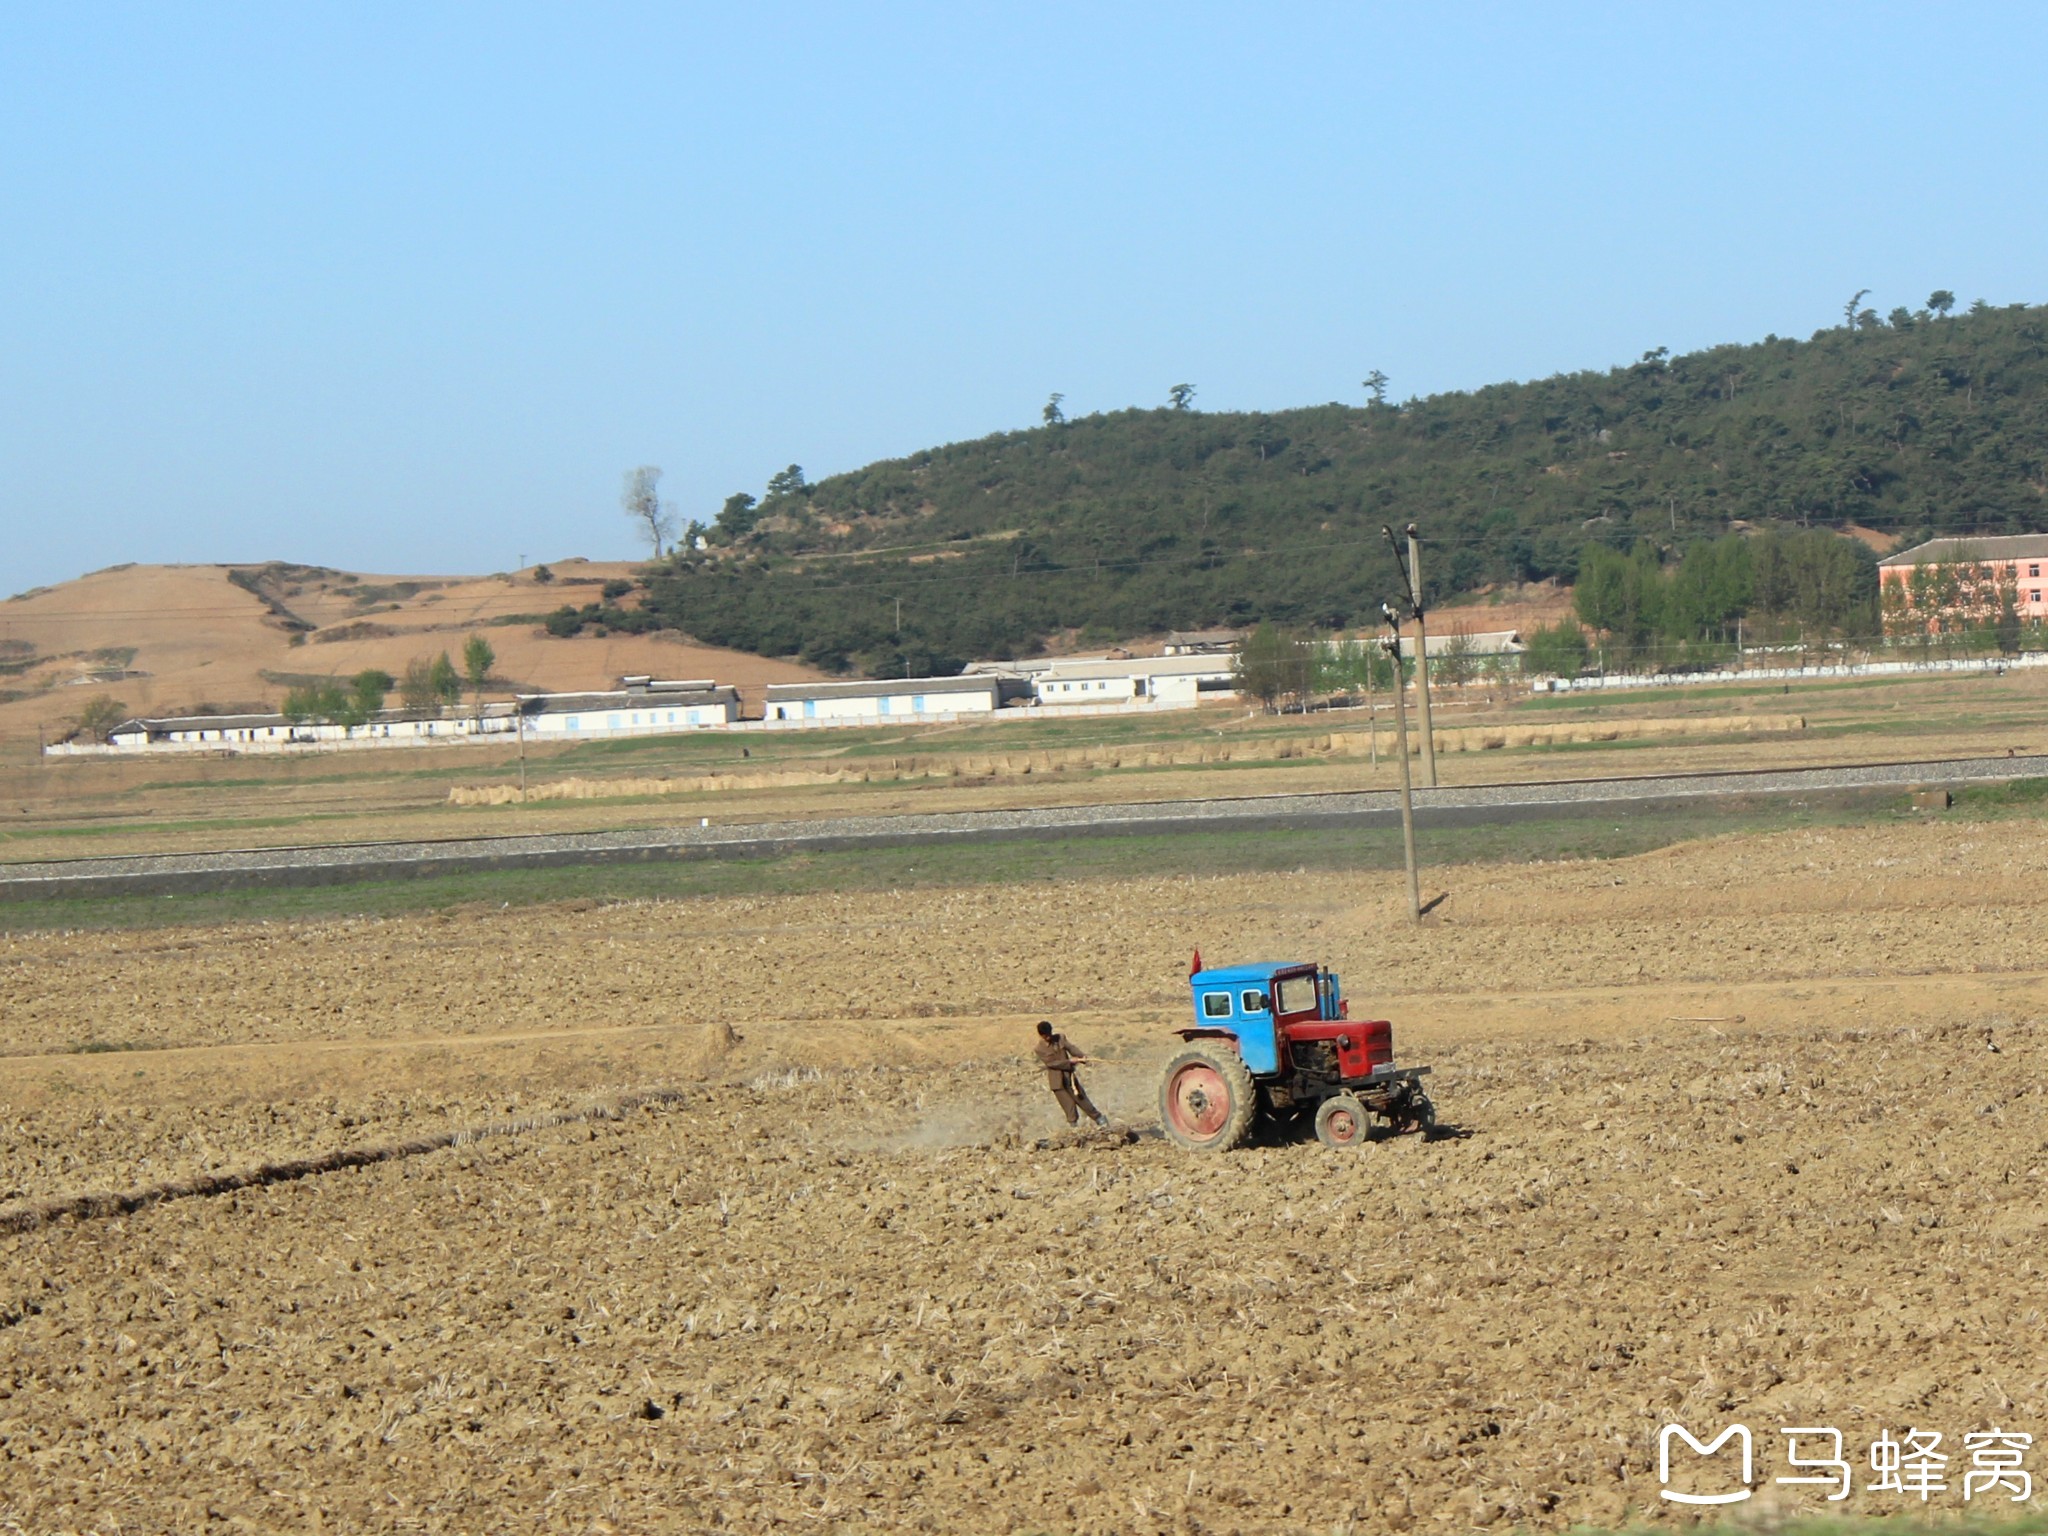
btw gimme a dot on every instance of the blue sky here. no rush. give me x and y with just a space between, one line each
407 287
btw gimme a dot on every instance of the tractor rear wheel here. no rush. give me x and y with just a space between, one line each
1206 1099
1340 1121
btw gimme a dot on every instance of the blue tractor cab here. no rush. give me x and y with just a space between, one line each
1245 1002
1274 1040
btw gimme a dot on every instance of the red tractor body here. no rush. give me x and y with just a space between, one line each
1275 1040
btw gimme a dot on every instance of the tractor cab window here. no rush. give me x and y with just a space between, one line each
1252 1001
1296 994
1215 1005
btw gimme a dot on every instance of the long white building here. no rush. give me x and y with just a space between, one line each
1168 681
260 732
908 698
644 706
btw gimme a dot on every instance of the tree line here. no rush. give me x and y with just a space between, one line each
429 685
1638 610
1130 522
1808 584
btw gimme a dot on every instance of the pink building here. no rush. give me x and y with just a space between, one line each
1955 584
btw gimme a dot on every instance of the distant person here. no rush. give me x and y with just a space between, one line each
1059 1058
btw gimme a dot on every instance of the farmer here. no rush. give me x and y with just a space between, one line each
1059 1058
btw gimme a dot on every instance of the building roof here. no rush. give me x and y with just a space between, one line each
154 725
1024 667
163 724
783 693
1139 666
2011 546
1033 666
1204 637
655 698
1496 642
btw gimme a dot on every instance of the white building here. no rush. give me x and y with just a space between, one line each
644 706
1168 681
883 699
257 732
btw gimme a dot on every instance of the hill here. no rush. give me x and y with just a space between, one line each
1139 521
165 639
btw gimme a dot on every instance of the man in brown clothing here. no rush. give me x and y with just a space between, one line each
1059 1058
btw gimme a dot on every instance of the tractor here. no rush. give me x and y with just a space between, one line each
1275 1042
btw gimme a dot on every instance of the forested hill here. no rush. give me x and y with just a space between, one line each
1140 521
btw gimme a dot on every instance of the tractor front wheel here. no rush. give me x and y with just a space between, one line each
1340 1121
1206 1099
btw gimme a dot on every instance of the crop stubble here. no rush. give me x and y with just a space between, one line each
843 1282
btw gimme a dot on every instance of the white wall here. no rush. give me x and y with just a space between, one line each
891 705
1054 689
1185 690
1166 687
648 719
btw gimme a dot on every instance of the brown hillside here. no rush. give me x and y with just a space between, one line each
163 639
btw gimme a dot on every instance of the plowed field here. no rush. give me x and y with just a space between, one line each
1743 1131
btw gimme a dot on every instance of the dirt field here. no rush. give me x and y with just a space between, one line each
1745 1131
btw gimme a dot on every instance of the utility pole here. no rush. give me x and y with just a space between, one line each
1393 648
1372 711
519 715
1411 574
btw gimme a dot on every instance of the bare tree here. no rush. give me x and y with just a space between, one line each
642 502
101 714
417 687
